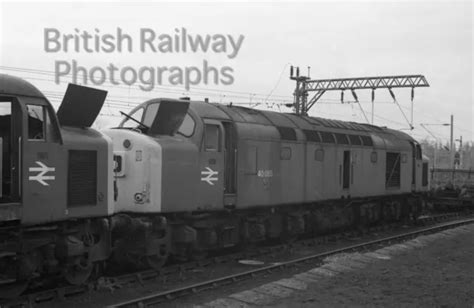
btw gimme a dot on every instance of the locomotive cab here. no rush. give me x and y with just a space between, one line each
55 172
197 143
42 154
27 126
150 158
14 134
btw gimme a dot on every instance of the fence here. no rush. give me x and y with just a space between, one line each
457 177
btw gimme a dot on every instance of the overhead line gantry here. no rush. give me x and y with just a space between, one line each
304 85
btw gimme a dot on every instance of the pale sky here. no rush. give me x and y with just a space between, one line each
337 39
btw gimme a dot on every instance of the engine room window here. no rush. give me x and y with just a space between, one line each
211 137
36 122
287 133
327 137
312 135
285 153
319 155
367 141
341 139
355 140
137 115
187 128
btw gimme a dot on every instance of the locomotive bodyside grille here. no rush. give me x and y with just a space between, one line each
82 178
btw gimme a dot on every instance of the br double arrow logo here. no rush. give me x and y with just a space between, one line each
41 177
209 176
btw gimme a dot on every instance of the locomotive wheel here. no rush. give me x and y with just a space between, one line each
78 272
198 255
159 259
14 289
156 262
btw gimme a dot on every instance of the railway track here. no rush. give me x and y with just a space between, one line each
160 297
174 272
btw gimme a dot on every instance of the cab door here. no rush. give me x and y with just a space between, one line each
211 187
418 162
44 165
11 136
230 165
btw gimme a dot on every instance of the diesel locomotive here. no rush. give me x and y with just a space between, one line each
179 178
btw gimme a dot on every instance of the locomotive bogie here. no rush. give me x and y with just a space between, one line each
139 241
70 249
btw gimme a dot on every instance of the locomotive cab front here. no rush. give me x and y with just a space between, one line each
152 164
42 158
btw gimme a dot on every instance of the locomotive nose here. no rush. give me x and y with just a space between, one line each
137 171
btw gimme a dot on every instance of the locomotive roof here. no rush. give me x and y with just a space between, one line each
272 118
11 85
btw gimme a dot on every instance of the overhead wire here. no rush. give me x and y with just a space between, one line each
123 101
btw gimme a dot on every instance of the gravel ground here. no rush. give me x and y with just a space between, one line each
431 271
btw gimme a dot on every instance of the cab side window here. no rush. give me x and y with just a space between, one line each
5 120
150 114
36 122
40 126
211 138
187 128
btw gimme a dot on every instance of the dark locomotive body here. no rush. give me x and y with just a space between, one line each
231 174
182 178
57 190
261 158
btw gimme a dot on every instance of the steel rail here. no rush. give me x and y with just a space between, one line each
210 284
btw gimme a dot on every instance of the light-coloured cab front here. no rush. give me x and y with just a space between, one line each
137 172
